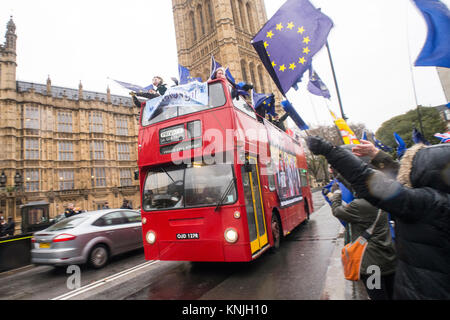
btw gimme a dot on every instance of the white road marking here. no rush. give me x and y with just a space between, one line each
103 281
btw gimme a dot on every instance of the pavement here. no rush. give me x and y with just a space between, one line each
336 286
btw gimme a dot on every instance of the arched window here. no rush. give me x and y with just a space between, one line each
200 17
235 16
251 22
261 79
194 27
252 76
242 15
210 15
244 71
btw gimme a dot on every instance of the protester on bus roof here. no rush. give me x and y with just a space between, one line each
419 200
359 215
279 121
159 89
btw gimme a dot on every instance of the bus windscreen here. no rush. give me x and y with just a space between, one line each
190 186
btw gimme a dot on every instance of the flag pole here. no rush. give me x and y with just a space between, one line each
335 82
412 72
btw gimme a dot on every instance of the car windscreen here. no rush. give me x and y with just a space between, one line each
189 186
171 105
67 223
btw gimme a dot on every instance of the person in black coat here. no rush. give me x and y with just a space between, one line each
160 89
10 227
279 121
419 200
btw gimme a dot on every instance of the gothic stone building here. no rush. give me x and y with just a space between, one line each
61 145
224 29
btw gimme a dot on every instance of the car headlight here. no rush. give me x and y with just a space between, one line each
231 235
150 237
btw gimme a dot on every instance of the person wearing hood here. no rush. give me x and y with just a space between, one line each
359 215
419 200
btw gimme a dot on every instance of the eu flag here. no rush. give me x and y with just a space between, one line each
379 145
401 145
134 87
185 75
364 136
289 40
216 65
266 101
316 85
417 137
436 51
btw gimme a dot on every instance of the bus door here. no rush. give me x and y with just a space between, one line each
254 205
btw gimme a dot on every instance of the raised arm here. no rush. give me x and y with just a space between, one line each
377 188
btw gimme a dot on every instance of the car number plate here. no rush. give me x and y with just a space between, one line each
44 245
185 236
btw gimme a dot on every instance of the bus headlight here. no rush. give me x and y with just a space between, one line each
150 237
231 235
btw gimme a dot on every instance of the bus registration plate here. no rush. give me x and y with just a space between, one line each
185 236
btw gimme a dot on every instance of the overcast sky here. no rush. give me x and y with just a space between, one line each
94 41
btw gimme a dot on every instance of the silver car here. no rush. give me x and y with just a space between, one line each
89 237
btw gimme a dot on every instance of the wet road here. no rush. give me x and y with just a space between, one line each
298 270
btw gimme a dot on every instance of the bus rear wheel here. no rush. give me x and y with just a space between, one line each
276 232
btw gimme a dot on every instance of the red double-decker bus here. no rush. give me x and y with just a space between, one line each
216 182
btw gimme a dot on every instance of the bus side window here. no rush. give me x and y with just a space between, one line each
270 176
303 177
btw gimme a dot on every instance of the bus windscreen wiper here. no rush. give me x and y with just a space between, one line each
222 198
164 170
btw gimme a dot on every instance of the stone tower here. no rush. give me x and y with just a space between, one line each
224 29
8 63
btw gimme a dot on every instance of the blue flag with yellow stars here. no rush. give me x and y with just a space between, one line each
316 85
266 101
418 137
185 75
379 145
401 145
216 65
134 87
289 40
436 50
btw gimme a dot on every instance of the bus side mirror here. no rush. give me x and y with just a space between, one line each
136 175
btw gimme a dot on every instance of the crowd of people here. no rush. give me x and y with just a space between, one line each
416 193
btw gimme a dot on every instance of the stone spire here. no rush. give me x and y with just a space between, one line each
49 86
108 95
11 36
80 91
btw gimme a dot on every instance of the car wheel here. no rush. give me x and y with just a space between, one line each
99 256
